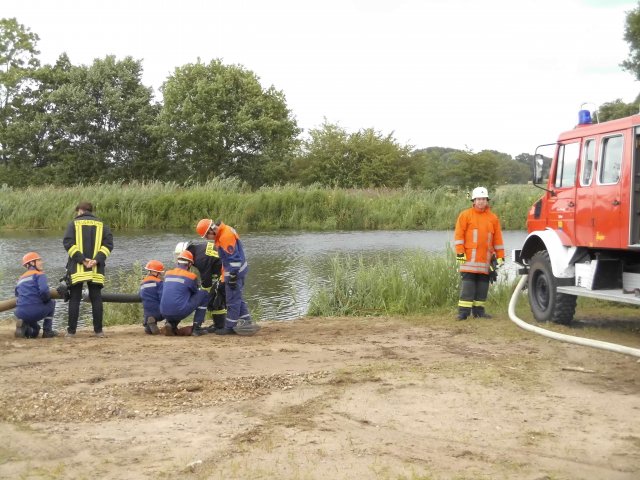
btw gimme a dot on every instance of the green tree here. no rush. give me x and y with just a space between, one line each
103 118
473 169
632 37
367 158
617 109
18 58
84 124
32 136
433 165
217 120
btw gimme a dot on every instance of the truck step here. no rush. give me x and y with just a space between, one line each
613 295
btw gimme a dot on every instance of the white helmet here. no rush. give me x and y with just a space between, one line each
479 192
180 247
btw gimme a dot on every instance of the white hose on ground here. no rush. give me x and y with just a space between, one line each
613 347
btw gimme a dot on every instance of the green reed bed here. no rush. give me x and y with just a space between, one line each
415 282
168 205
124 313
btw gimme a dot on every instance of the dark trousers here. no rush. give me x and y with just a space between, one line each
237 308
474 289
197 303
95 295
32 314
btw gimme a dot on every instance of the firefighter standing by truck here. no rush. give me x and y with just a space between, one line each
478 237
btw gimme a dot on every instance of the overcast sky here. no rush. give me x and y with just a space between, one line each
505 75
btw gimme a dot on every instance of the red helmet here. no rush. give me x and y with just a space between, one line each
203 226
186 255
30 257
154 266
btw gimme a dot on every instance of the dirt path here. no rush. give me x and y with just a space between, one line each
319 399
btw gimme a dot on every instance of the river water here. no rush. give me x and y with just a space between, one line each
283 267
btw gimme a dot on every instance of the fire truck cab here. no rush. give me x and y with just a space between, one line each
584 232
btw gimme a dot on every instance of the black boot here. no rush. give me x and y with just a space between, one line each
170 330
478 312
218 323
463 313
225 331
152 326
197 330
21 329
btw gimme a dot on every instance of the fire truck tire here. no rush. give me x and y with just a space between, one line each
546 303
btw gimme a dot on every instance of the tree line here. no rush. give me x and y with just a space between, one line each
65 124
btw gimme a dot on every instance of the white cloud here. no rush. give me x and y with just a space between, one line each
499 74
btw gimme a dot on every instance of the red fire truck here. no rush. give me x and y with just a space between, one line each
584 232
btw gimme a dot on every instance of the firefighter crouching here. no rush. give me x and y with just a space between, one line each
478 237
207 261
33 301
182 296
150 294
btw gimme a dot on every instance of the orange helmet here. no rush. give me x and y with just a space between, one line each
203 226
186 255
154 266
30 257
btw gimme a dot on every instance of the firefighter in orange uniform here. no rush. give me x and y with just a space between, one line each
235 268
478 237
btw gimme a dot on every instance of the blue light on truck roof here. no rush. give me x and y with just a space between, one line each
584 117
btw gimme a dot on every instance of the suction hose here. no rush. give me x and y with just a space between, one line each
612 347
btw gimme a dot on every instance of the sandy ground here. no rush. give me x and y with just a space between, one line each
383 398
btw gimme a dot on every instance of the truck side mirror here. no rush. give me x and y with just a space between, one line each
538 169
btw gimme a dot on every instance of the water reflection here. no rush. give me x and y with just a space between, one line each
283 266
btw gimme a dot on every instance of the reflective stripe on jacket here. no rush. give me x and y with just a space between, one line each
207 260
151 293
179 286
478 235
32 289
87 237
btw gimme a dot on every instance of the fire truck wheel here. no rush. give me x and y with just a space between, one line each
546 303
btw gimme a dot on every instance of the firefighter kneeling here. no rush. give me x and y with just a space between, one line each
34 301
181 296
478 237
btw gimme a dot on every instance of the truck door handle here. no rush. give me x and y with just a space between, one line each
571 204
615 203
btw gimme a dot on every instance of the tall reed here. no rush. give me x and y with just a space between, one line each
169 205
124 313
415 283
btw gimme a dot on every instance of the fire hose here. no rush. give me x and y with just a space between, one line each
613 347
106 297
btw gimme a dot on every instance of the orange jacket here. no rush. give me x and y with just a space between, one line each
478 235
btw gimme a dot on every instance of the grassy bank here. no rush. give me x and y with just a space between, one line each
171 206
416 283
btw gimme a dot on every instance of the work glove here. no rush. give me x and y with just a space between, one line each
493 270
461 258
500 262
63 289
232 281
